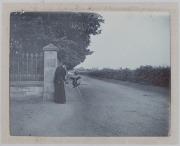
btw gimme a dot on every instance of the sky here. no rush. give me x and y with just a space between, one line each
129 40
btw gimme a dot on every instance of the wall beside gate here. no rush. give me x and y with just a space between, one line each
26 75
25 92
32 74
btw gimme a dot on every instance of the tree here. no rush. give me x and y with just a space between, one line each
69 31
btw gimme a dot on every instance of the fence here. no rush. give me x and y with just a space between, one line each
27 67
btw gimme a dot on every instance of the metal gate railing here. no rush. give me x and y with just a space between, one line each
27 67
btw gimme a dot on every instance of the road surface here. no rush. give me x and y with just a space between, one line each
120 110
95 108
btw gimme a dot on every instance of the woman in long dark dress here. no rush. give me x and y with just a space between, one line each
60 74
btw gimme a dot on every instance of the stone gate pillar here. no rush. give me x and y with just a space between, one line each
50 65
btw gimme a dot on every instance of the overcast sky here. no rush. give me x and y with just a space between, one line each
131 39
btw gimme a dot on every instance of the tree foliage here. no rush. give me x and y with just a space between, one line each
70 32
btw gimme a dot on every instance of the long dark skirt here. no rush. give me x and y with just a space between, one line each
59 95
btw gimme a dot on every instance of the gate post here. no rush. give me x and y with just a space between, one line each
50 65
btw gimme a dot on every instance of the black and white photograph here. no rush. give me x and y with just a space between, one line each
90 74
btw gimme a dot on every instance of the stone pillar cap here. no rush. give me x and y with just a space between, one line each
50 47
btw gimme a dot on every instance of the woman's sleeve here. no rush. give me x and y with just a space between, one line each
64 74
55 76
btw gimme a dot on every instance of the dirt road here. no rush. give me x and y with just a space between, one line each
96 108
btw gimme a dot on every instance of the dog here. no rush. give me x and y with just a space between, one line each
75 81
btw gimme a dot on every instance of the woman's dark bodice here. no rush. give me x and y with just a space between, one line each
60 74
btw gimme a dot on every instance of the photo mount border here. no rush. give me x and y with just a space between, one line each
171 7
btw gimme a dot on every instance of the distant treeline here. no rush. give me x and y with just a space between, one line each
158 76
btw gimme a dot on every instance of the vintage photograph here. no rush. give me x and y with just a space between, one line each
90 74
